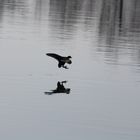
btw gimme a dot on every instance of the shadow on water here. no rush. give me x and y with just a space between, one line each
59 89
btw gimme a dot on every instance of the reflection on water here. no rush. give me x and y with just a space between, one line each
103 38
13 8
118 30
66 15
60 89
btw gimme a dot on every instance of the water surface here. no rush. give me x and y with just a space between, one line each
103 39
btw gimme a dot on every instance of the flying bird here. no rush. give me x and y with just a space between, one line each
61 59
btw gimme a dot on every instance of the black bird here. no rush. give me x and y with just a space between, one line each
61 59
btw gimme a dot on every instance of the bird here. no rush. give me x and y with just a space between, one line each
61 59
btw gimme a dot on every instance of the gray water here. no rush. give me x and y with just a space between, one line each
103 38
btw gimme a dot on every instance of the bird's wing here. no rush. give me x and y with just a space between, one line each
55 56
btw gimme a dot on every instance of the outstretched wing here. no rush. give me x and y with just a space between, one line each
55 56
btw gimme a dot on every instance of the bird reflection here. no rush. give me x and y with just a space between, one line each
60 89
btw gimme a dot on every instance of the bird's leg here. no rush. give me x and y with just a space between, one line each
65 67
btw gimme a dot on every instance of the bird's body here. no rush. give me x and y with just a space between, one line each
61 59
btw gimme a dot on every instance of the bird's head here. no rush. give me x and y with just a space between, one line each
69 57
69 61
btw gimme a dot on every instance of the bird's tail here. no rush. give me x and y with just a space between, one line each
48 54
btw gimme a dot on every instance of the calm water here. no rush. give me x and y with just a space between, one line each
103 38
